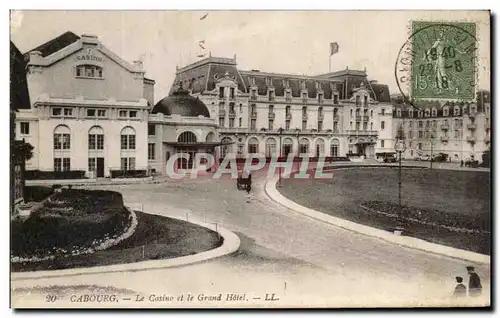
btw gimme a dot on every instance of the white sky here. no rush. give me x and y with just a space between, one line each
295 42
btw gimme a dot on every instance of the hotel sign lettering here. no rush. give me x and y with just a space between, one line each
88 55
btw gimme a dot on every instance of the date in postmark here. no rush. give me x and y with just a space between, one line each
438 61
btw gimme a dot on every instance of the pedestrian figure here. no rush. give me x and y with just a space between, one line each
475 287
461 163
460 289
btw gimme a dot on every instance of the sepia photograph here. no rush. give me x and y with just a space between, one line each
186 159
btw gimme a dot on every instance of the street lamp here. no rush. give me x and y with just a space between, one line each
400 147
297 133
280 130
433 141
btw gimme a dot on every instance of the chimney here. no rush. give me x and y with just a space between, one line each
89 39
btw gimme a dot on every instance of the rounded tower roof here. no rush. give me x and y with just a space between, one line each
181 103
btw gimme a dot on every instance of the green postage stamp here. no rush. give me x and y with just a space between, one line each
444 60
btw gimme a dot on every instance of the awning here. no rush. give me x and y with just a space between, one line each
198 145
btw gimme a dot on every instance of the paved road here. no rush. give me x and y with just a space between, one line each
302 261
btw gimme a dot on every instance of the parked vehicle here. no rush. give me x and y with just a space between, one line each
244 181
423 158
441 157
386 157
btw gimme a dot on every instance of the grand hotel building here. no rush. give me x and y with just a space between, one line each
93 112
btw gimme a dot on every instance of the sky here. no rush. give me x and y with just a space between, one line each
292 42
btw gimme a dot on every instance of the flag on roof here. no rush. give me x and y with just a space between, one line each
334 48
203 17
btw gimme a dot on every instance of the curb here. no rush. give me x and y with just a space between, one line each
93 183
230 244
406 241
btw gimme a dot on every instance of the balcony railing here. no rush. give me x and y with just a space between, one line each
444 138
471 126
445 126
272 115
362 132
222 113
358 118
471 139
232 114
233 130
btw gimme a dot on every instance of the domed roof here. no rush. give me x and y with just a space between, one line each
181 103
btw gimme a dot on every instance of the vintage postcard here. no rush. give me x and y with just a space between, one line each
250 159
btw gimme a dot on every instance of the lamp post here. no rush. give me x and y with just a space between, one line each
297 133
400 147
433 141
280 130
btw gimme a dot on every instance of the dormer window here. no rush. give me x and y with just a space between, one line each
89 71
304 95
446 111
358 100
288 96
253 94
221 92
420 113
231 93
427 113
434 112
456 111
398 112
410 113
365 100
271 95
335 99
320 98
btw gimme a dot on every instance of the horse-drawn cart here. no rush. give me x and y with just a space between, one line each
244 181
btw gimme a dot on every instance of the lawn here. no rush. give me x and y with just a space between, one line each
456 198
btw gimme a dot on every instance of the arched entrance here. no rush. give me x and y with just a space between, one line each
186 137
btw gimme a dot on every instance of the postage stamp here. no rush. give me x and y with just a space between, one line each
440 61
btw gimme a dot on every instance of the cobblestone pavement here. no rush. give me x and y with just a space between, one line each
302 261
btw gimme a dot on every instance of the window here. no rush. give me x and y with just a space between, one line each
410 134
127 138
231 108
334 148
304 124
427 113
420 124
56 111
101 113
271 95
419 146
351 112
123 113
358 100
96 138
92 164
270 147
382 143
304 111
456 111
241 108
371 113
221 92
231 90
253 123
287 111
304 96
240 122
91 71
320 98
62 138
382 111
335 127
62 164
357 125
420 134
382 125
303 146
127 163
371 126
151 130
231 122
90 112
320 125
253 146
151 151
335 99
398 112
132 114
188 137
410 113
253 110
271 109
253 94
288 96
25 128
320 112
434 112
271 124
365 125
221 121
287 125
366 100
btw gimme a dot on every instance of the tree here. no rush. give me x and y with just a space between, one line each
21 152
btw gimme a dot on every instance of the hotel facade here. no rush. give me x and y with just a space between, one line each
94 113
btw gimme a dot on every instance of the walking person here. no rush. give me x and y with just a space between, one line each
475 287
460 289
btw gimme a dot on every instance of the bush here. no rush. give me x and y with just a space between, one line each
54 175
128 173
37 193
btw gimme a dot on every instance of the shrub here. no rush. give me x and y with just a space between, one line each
128 173
54 175
37 193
